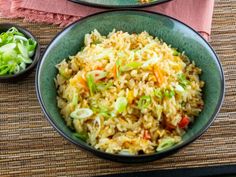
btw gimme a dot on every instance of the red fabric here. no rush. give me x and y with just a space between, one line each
195 13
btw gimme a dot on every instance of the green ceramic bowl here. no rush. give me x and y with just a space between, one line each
172 31
119 3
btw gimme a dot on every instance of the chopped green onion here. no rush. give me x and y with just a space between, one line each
24 59
75 98
64 72
166 143
91 84
15 51
81 113
94 109
23 50
14 31
103 86
31 45
130 66
23 66
20 38
144 102
5 38
8 47
102 110
7 57
169 93
179 88
182 80
158 93
105 115
82 135
121 104
175 52
118 63
4 69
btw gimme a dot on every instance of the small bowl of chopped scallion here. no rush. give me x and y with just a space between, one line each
19 52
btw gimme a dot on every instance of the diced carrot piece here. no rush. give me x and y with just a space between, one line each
114 71
158 74
83 82
146 135
99 68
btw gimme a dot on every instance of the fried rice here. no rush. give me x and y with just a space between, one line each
128 93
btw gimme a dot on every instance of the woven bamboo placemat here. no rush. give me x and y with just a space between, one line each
29 146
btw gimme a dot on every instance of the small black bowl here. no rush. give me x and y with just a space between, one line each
20 75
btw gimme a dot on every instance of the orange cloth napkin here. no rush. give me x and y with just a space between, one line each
195 13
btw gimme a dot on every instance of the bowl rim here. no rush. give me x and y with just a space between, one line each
90 4
36 56
130 158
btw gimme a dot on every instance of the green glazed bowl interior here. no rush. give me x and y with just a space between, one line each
119 3
173 32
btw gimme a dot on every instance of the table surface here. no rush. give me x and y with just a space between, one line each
29 146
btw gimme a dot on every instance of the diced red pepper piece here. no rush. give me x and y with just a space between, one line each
184 122
146 135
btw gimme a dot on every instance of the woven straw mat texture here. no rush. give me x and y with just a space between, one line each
29 146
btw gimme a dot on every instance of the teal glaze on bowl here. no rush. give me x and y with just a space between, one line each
119 3
172 31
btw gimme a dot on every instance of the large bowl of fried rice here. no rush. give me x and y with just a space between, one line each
129 85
